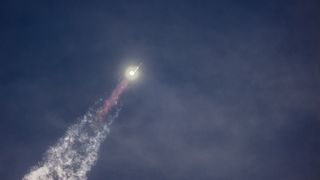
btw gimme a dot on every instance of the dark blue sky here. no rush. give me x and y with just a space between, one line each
230 90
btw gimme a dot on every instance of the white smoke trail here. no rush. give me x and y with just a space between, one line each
75 153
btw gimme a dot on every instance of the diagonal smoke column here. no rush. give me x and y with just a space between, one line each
113 99
77 151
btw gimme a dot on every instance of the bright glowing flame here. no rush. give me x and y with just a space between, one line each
132 73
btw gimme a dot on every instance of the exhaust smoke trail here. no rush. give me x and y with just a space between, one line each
75 153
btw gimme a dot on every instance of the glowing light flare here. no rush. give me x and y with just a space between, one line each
132 73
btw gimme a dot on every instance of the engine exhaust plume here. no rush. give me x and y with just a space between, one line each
113 99
77 151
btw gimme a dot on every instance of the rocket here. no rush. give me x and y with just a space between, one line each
132 72
138 67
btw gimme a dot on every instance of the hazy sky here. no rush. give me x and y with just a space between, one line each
229 90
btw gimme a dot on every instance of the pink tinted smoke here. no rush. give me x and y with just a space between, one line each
112 100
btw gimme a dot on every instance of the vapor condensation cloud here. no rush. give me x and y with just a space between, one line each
76 152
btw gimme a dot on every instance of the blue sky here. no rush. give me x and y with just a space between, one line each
228 90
